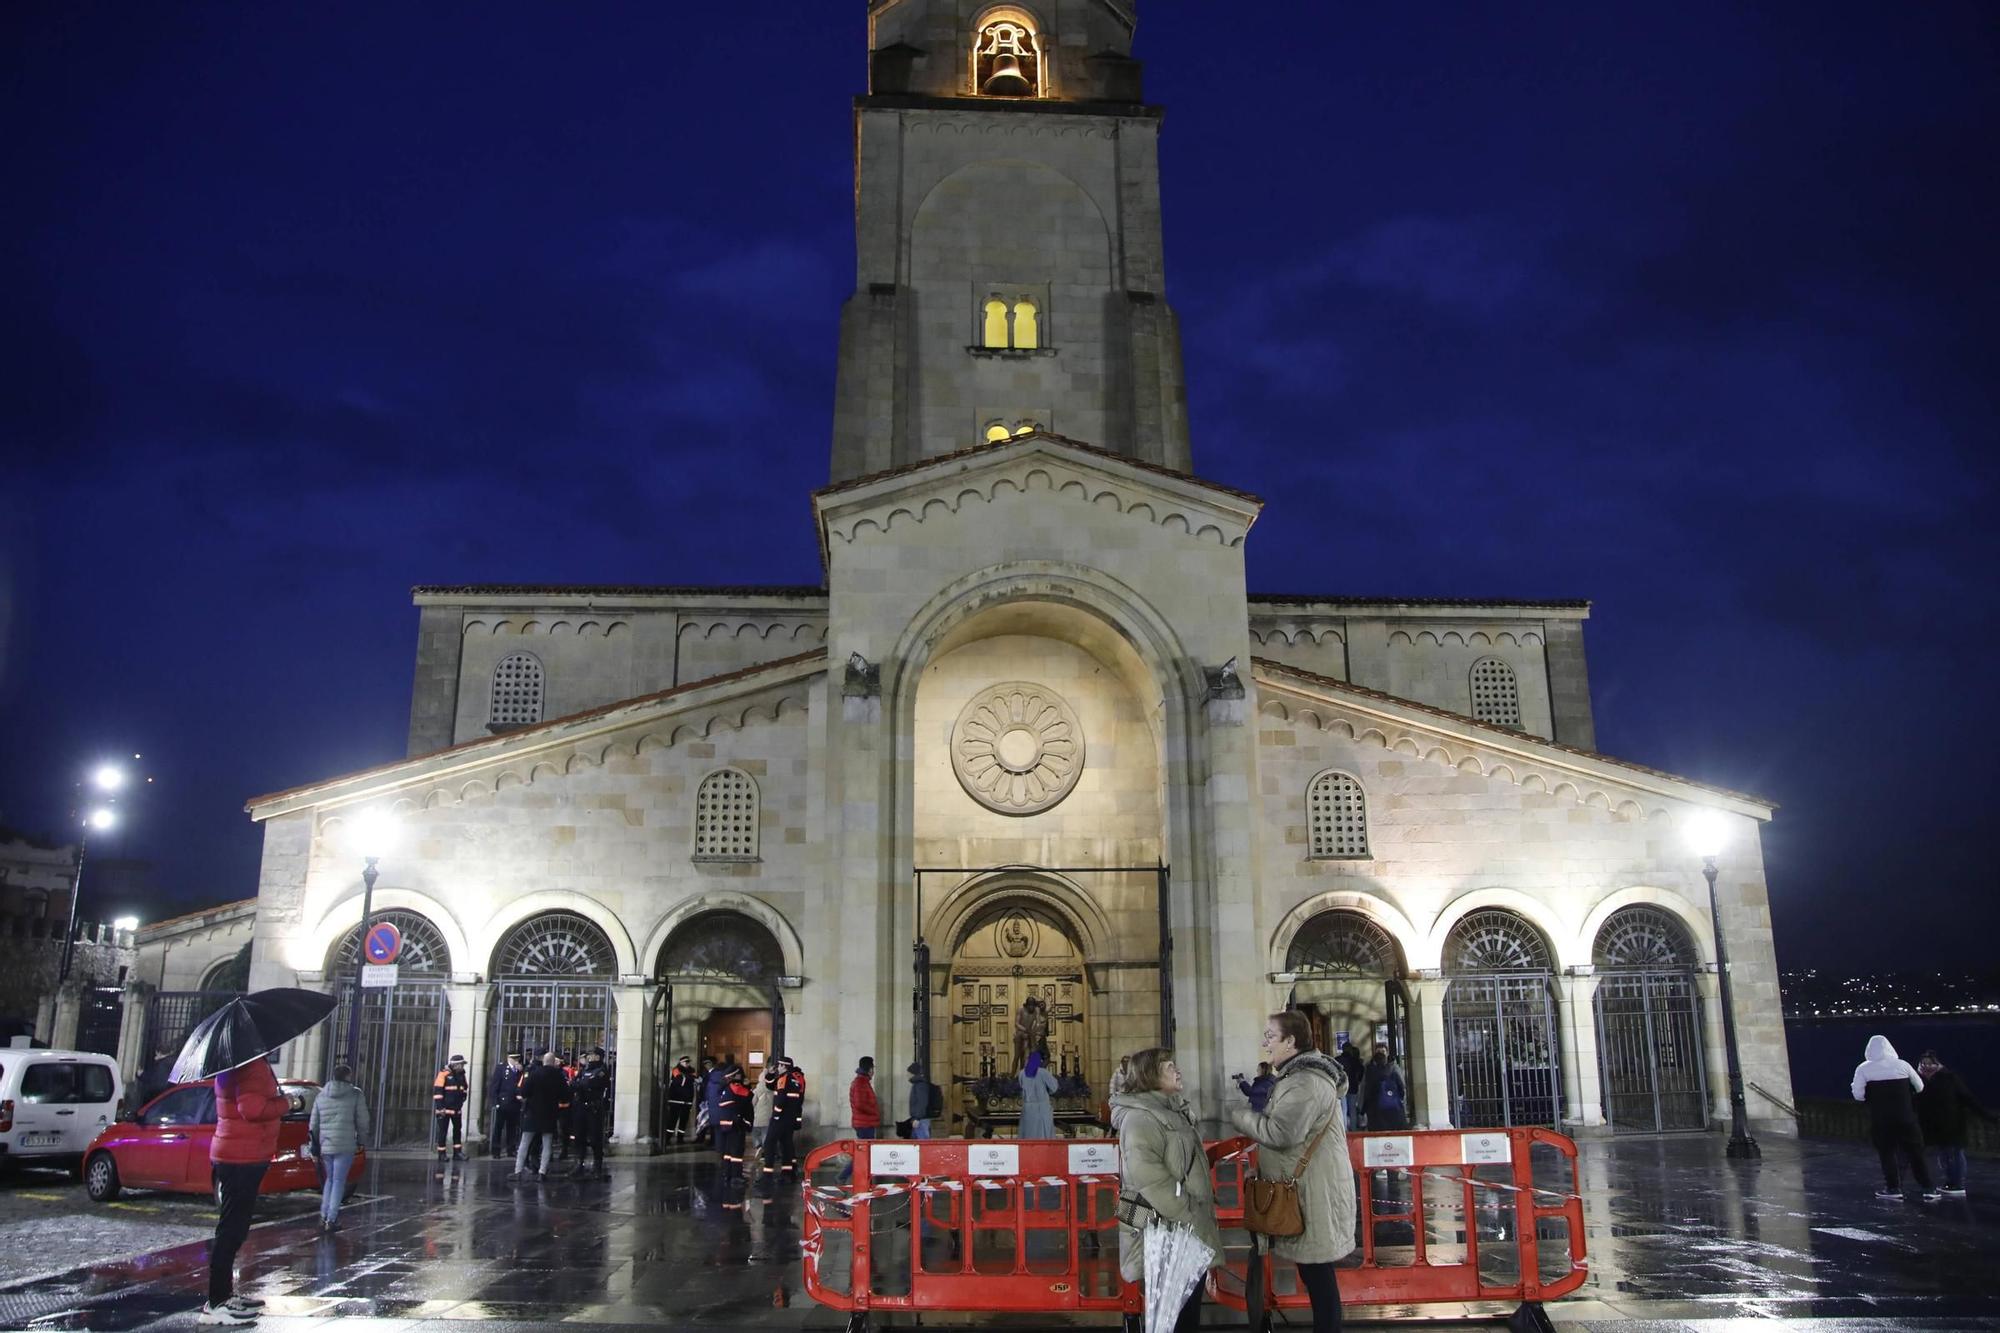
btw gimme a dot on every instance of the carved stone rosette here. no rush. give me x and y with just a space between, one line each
1017 748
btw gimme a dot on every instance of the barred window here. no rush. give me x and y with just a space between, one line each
517 691
1337 816
1496 695
725 817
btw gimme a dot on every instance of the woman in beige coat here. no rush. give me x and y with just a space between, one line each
1306 1097
1162 1161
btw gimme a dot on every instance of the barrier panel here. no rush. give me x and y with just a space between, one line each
1013 1226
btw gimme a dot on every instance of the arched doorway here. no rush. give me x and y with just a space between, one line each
404 1028
1649 1031
719 994
552 976
1503 1051
1347 978
1010 950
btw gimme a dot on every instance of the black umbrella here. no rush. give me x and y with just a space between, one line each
247 1027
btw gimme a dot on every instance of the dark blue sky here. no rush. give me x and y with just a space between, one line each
1686 309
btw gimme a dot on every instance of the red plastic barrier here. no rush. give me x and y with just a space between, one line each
1020 1225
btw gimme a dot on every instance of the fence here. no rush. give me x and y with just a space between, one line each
1842 1118
1030 1225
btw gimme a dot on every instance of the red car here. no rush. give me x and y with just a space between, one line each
165 1147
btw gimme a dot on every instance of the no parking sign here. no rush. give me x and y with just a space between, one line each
384 943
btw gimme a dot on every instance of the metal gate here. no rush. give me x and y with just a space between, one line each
405 1030
1649 1051
172 1014
1504 1054
103 1013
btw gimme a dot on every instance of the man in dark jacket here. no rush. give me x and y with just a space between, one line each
1349 1060
1942 1108
711 1093
503 1095
448 1093
682 1085
590 1097
788 1106
544 1091
1385 1097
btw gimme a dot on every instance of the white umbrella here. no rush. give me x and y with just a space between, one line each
1176 1259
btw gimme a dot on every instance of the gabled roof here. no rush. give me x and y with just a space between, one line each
1015 441
487 747
1518 740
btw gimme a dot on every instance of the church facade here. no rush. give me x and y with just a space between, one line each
1032 736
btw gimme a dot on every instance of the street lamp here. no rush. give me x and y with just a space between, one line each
100 817
1706 836
372 833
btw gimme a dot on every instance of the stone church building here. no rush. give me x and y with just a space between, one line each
1030 734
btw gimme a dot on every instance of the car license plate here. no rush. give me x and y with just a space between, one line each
41 1140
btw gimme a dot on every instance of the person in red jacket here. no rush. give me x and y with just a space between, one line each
861 1103
248 1107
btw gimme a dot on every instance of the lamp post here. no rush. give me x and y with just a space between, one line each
372 832
1707 837
107 779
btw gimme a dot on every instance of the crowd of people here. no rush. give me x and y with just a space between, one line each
1914 1114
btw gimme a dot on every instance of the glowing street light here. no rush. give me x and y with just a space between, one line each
107 779
1707 835
125 923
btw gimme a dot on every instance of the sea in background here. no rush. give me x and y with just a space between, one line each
1825 1051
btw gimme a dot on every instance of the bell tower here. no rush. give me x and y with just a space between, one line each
1009 270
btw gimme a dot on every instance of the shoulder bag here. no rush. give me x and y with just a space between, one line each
1271 1207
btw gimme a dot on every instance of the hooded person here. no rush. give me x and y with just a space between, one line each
1163 1167
1304 1116
1889 1087
1038 1083
339 1125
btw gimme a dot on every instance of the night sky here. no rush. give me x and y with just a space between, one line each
1687 309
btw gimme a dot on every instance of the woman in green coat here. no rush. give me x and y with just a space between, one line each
1162 1161
1306 1099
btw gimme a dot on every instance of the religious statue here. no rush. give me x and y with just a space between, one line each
1031 1029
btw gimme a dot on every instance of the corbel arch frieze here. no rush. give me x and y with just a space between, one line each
1037 477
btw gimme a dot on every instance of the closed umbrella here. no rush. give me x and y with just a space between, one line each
247 1027
1176 1259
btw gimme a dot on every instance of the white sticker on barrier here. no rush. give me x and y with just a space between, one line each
1479 1148
1088 1159
893 1159
993 1159
1388 1150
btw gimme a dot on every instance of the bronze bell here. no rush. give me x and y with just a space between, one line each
1006 80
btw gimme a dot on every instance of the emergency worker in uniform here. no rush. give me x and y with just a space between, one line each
448 1093
788 1106
590 1095
503 1099
682 1085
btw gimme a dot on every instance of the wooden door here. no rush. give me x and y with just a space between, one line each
743 1033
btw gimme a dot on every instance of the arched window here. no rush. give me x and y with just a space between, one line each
1027 427
1336 816
1007 57
1493 939
722 944
423 954
996 324
517 691
1644 937
563 944
997 431
725 817
1343 943
1027 324
1496 695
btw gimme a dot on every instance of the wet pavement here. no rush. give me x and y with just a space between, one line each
1679 1238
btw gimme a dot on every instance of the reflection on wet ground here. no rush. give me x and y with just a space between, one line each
1678 1236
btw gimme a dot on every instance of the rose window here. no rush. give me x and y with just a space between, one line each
1017 748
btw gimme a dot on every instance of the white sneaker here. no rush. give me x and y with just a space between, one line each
1888 1194
249 1305
1954 1194
224 1316
1932 1196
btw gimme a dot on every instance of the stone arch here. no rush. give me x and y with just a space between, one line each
743 904
1408 938
557 900
325 934
975 206
425 952
967 903
1691 915
1565 948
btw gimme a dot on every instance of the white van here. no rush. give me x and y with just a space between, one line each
54 1103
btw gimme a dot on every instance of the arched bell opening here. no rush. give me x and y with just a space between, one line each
1647 1008
1502 1038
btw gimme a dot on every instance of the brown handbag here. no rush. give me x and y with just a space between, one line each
1271 1207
